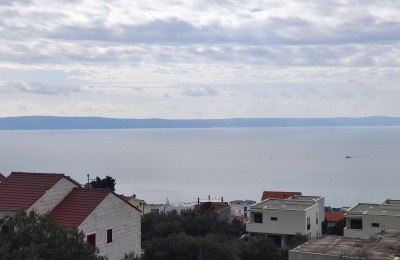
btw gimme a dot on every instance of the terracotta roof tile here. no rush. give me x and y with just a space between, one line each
77 206
334 216
279 194
21 189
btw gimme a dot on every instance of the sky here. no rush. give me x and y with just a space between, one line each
178 59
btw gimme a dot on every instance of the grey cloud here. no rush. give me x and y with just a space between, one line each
200 92
38 88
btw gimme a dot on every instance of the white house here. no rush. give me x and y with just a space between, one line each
281 219
366 219
239 208
108 221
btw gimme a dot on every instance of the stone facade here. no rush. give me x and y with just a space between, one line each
53 196
124 221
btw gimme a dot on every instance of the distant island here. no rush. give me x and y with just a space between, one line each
53 122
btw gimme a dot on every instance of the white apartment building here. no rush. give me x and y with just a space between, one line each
281 219
366 219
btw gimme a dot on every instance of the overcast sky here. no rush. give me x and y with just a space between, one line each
200 59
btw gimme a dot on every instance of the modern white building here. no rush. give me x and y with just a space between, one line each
366 219
281 219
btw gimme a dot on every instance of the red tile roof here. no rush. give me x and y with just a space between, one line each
77 206
22 189
2 177
334 216
215 206
279 194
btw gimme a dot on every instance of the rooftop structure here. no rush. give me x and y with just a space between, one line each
2 177
279 194
384 245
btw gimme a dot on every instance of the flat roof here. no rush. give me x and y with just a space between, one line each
384 245
283 204
374 209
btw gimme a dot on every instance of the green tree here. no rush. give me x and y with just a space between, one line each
107 182
33 236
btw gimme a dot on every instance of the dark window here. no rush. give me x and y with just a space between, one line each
245 215
274 219
308 223
91 240
316 217
244 208
109 236
258 218
375 224
356 224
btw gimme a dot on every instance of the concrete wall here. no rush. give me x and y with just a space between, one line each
53 196
124 220
367 229
296 255
289 222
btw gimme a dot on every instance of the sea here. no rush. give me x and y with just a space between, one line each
182 165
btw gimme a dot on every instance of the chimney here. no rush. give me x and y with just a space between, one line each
198 201
208 197
222 199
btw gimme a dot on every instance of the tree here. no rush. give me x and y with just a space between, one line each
107 182
33 236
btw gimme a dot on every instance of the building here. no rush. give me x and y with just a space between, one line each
281 219
383 246
279 194
366 219
239 208
137 203
33 191
108 221
222 209
333 217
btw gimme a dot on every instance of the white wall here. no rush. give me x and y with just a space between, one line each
123 219
367 229
53 196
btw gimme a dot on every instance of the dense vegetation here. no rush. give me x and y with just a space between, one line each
107 182
201 235
33 236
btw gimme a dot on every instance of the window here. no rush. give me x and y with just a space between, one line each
245 214
274 219
258 218
91 240
244 208
316 217
356 224
109 236
375 224
308 223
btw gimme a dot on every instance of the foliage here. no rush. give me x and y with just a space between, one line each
33 236
337 229
107 182
201 235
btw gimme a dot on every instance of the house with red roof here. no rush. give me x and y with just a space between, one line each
279 194
333 217
109 222
221 208
33 191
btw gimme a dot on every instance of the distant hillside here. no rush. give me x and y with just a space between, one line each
49 122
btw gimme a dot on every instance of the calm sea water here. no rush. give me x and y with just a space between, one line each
183 164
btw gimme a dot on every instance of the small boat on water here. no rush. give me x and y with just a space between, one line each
348 157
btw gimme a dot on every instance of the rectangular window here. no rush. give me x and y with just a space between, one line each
356 224
109 236
245 214
244 208
308 223
274 219
258 218
375 224
316 218
91 240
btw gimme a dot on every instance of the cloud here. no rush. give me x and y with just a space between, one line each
200 92
38 88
